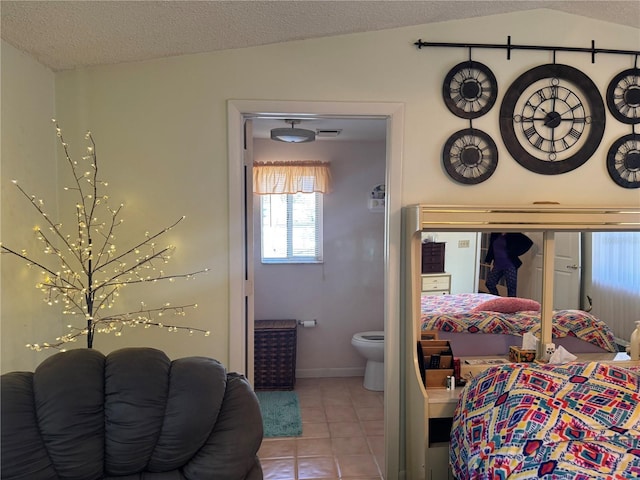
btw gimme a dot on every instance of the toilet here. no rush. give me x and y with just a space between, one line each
371 346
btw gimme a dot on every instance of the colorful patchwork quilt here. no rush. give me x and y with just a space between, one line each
452 313
576 421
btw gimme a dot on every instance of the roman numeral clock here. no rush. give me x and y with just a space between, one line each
552 119
469 91
623 100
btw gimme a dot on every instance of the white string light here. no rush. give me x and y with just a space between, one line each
90 270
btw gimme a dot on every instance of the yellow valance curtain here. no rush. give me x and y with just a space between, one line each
291 177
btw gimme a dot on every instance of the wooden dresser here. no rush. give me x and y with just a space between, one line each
433 257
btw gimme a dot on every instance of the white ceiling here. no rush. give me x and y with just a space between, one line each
70 34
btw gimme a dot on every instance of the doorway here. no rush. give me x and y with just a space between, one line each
240 277
567 276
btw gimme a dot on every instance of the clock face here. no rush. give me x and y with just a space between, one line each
470 156
623 161
552 119
623 96
470 89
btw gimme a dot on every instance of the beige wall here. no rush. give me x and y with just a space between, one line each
27 155
161 132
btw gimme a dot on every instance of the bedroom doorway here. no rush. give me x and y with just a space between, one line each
240 248
567 272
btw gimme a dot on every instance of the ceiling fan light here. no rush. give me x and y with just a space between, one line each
293 135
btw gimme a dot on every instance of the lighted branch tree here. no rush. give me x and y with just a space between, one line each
85 272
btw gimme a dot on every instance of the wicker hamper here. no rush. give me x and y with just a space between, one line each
275 354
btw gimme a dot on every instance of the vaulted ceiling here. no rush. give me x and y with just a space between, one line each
69 34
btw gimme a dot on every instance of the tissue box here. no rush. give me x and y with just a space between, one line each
517 354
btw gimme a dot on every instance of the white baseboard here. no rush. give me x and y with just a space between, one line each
330 372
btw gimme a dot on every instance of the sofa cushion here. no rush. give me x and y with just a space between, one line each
132 415
68 392
225 452
23 452
197 387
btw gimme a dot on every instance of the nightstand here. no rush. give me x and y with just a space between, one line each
436 283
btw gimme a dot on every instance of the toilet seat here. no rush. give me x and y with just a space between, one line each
373 336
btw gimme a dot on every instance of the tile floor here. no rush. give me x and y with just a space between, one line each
342 434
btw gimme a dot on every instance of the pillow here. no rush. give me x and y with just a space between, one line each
507 305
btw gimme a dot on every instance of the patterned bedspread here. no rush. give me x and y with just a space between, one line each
575 421
451 313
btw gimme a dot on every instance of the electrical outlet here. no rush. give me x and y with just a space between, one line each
463 243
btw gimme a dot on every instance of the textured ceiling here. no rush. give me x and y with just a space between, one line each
69 34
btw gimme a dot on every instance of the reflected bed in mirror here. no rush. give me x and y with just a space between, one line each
591 273
473 330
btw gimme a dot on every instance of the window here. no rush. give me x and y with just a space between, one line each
291 228
291 209
615 282
615 256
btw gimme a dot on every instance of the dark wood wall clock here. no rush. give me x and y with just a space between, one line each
470 89
623 96
623 161
552 119
470 156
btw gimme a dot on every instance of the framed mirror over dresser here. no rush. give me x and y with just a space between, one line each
429 410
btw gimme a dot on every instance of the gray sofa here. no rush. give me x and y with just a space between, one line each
132 414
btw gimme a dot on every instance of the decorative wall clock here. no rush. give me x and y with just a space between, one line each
470 156
623 161
470 89
623 96
552 119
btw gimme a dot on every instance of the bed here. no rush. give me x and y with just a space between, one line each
460 318
578 421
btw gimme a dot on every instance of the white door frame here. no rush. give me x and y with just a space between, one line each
239 287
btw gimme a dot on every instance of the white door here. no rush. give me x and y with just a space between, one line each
567 272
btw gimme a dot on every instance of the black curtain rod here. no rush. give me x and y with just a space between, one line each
509 46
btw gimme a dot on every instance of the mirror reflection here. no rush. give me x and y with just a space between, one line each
596 297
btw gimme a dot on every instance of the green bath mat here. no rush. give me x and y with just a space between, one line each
280 414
